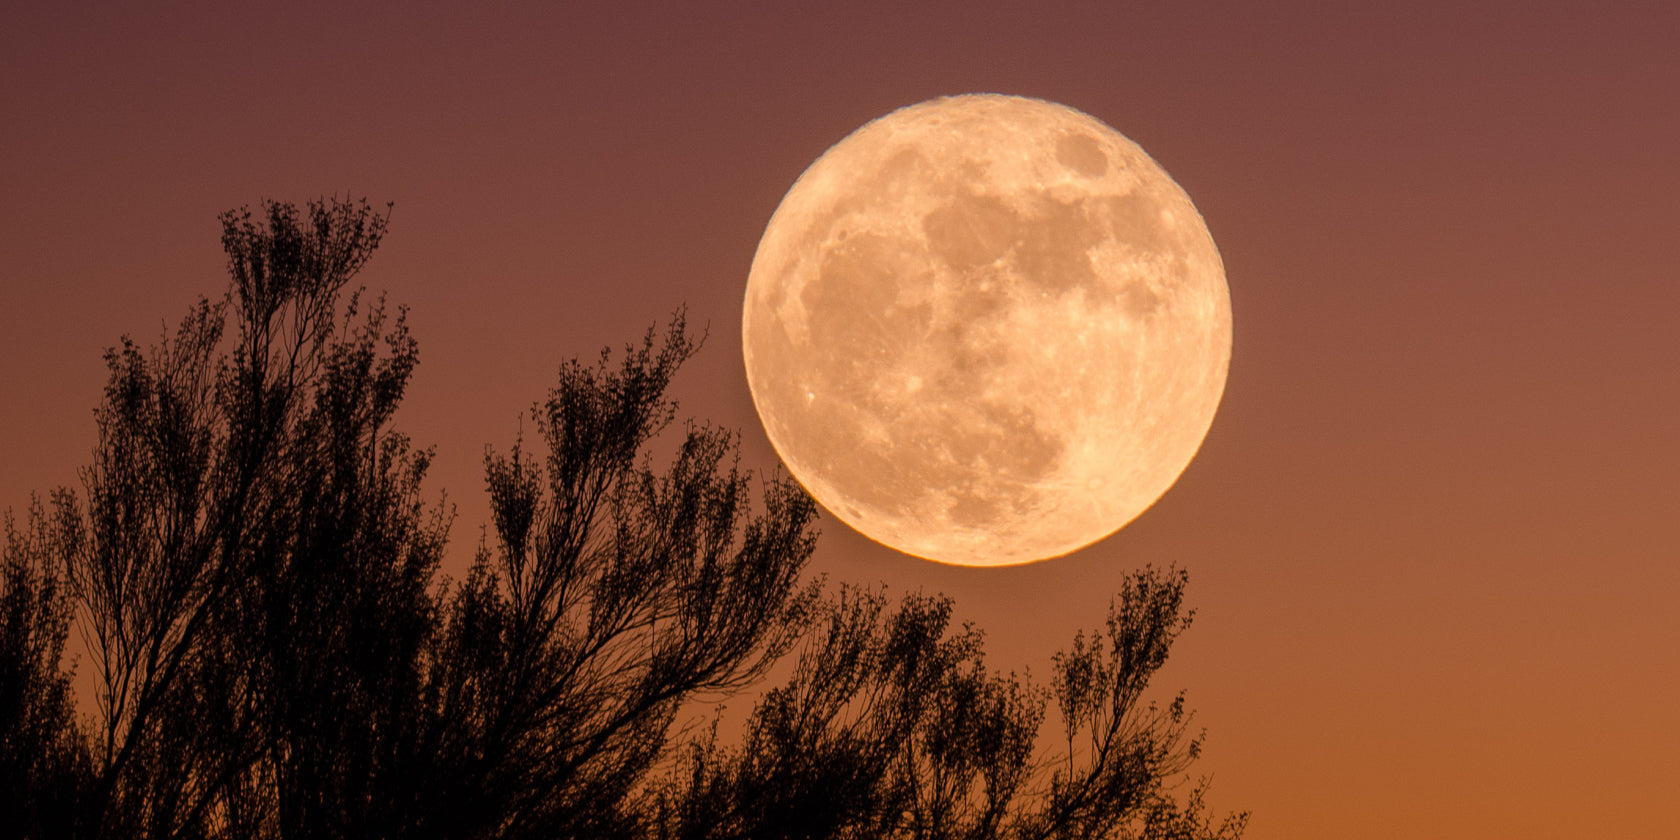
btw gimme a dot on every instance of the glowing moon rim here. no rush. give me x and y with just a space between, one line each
986 330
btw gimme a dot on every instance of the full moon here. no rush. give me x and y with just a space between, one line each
986 330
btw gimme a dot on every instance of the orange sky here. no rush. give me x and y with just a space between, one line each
1434 534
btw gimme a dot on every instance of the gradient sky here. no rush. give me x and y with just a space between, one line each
1434 534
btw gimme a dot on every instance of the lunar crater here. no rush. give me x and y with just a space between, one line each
1082 153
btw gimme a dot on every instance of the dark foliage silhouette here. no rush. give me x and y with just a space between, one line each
891 726
44 762
615 594
253 566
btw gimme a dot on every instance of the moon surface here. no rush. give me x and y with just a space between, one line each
986 330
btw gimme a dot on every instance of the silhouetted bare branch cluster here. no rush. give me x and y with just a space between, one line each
254 570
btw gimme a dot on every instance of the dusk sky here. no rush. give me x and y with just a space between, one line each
1434 533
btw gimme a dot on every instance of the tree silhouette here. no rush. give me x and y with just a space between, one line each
253 566
615 594
891 726
44 762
